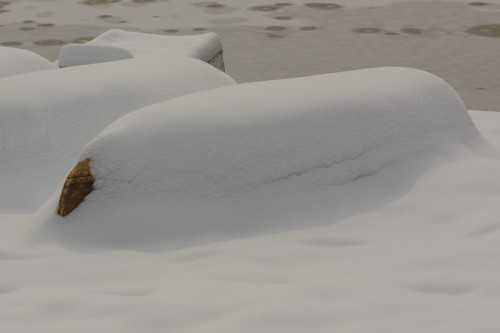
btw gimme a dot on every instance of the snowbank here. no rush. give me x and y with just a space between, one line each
118 44
86 54
16 61
162 172
45 124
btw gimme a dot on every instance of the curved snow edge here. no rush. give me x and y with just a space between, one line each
333 128
14 61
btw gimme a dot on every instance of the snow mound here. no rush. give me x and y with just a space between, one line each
118 44
16 61
85 54
44 125
167 172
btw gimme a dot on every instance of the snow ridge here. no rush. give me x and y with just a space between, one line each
262 142
43 131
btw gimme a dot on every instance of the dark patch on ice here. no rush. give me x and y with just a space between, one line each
171 31
273 35
46 25
392 33
81 40
479 4
283 17
11 43
212 5
199 29
368 30
98 2
264 8
28 21
26 28
111 19
412 31
275 28
50 42
3 4
309 28
323 5
485 30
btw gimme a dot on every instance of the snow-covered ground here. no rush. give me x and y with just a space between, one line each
413 248
42 133
401 235
457 40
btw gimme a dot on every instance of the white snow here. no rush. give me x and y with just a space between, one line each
364 201
421 259
86 54
164 172
118 44
17 61
42 133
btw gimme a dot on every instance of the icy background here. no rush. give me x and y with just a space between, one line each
457 40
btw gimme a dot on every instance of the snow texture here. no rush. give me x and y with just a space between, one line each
86 54
424 260
118 44
17 61
40 136
162 171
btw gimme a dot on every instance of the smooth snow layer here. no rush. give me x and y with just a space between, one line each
47 117
162 170
17 61
85 54
118 44
424 261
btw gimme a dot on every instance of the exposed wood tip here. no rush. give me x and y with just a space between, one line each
77 186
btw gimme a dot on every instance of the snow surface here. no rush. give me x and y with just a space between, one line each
423 258
174 13
413 248
17 61
86 54
118 44
41 134
164 172
410 248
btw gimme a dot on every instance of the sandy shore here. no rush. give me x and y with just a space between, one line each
459 41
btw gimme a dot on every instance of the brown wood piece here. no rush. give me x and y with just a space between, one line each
77 186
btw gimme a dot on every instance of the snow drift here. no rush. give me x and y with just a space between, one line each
44 125
170 172
16 61
118 44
